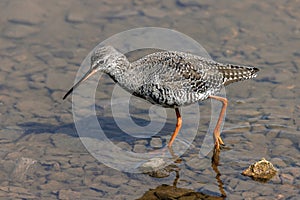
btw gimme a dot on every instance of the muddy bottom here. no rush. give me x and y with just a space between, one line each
42 156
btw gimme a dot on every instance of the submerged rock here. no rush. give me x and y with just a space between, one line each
158 168
262 170
173 192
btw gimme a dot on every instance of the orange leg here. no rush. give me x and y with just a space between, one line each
217 137
178 126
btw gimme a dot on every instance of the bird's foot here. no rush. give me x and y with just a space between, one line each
218 142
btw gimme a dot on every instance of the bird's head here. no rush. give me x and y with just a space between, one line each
102 59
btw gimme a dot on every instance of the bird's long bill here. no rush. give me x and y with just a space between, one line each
85 77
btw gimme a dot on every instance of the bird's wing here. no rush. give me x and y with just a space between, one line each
178 76
181 72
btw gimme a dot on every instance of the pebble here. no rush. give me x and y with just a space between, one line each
292 136
55 159
69 194
232 183
294 171
267 191
276 179
198 164
113 181
126 13
60 176
295 197
64 54
282 92
272 134
45 57
152 165
232 140
78 171
53 80
25 12
22 166
256 137
258 128
287 179
103 188
264 197
210 188
282 141
66 142
75 16
156 142
154 12
6 44
15 192
248 112
3 174
91 193
185 3
139 148
19 31
52 185
236 128
249 195
124 146
40 108
234 196
242 90
278 162
245 186
278 150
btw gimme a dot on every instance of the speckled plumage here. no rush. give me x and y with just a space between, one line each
170 78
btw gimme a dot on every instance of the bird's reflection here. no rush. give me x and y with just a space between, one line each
214 164
165 191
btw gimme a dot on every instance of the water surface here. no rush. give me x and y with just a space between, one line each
42 46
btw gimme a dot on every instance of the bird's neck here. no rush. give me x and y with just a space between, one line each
118 68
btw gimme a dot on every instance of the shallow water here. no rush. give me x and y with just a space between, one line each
41 51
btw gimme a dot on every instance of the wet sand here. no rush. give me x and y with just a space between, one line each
41 51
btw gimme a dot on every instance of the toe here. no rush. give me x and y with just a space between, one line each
220 141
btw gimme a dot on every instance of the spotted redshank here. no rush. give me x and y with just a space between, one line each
170 79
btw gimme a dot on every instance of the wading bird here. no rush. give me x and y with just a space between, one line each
170 79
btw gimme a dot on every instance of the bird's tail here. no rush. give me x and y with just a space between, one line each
234 73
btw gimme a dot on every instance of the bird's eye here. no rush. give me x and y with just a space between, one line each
100 62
